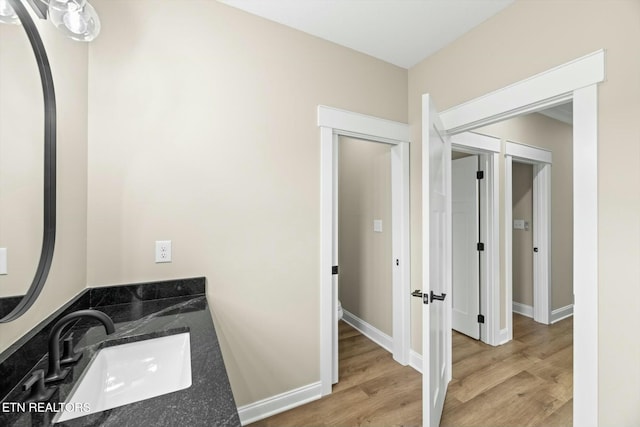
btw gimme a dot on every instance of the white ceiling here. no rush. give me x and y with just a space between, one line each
562 112
402 32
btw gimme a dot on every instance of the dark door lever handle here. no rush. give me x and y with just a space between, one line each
440 297
417 293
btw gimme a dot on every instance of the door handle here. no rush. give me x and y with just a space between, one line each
418 294
440 297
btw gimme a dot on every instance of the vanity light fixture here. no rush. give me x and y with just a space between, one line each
76 19
7 14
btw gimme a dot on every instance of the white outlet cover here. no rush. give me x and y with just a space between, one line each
377 225
163 251
3 260
518 224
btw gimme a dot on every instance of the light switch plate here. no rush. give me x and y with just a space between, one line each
377 225
518 224
3 260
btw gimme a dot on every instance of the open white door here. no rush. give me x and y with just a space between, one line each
465 297
436 264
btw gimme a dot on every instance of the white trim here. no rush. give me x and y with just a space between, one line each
415 360
334 122
523 309
475 143
575 80
541 230
279 403
508 249
504 336
369 331
401 245
335 356
561 313
542 241
585 256
527 153
359 125
551 87
327 313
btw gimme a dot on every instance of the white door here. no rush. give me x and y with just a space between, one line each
465 299
436 264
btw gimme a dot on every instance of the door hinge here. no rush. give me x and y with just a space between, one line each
480 318
334 269
480 175
481 246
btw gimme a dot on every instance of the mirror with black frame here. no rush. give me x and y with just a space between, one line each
27 161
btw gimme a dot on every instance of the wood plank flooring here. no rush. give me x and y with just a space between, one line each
527 382
373 390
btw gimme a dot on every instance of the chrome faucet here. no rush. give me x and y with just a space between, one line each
55 373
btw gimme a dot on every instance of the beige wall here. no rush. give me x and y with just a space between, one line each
202 128
68 272
364 255
522 247
541 131
527 38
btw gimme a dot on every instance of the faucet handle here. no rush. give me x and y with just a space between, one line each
37 390
69 357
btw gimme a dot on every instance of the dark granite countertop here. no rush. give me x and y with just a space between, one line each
207 402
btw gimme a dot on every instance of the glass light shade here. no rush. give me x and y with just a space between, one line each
77 19
7 14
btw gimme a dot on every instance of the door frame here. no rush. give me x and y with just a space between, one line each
541 160
576 80
333 123
488 149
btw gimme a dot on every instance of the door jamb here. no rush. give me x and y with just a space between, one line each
541 160
334 122
576 80
488 149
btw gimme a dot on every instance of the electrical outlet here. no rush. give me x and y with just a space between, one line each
377 225
3 260
163 251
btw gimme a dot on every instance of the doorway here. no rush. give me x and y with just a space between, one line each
334 123
364 238
485 245
576 80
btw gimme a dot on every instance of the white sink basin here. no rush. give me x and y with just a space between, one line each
130 373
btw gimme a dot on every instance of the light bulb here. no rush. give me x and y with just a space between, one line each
7 14
74 20
77 19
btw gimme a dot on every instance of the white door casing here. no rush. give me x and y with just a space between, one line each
332 123
541 160
465 295
575 80
436 264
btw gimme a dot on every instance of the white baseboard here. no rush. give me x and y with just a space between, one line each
523 309
374 334
415 360
561 313
282 402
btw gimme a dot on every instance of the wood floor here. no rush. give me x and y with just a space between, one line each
527 382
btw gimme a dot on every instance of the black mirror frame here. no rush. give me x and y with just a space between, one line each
49 230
